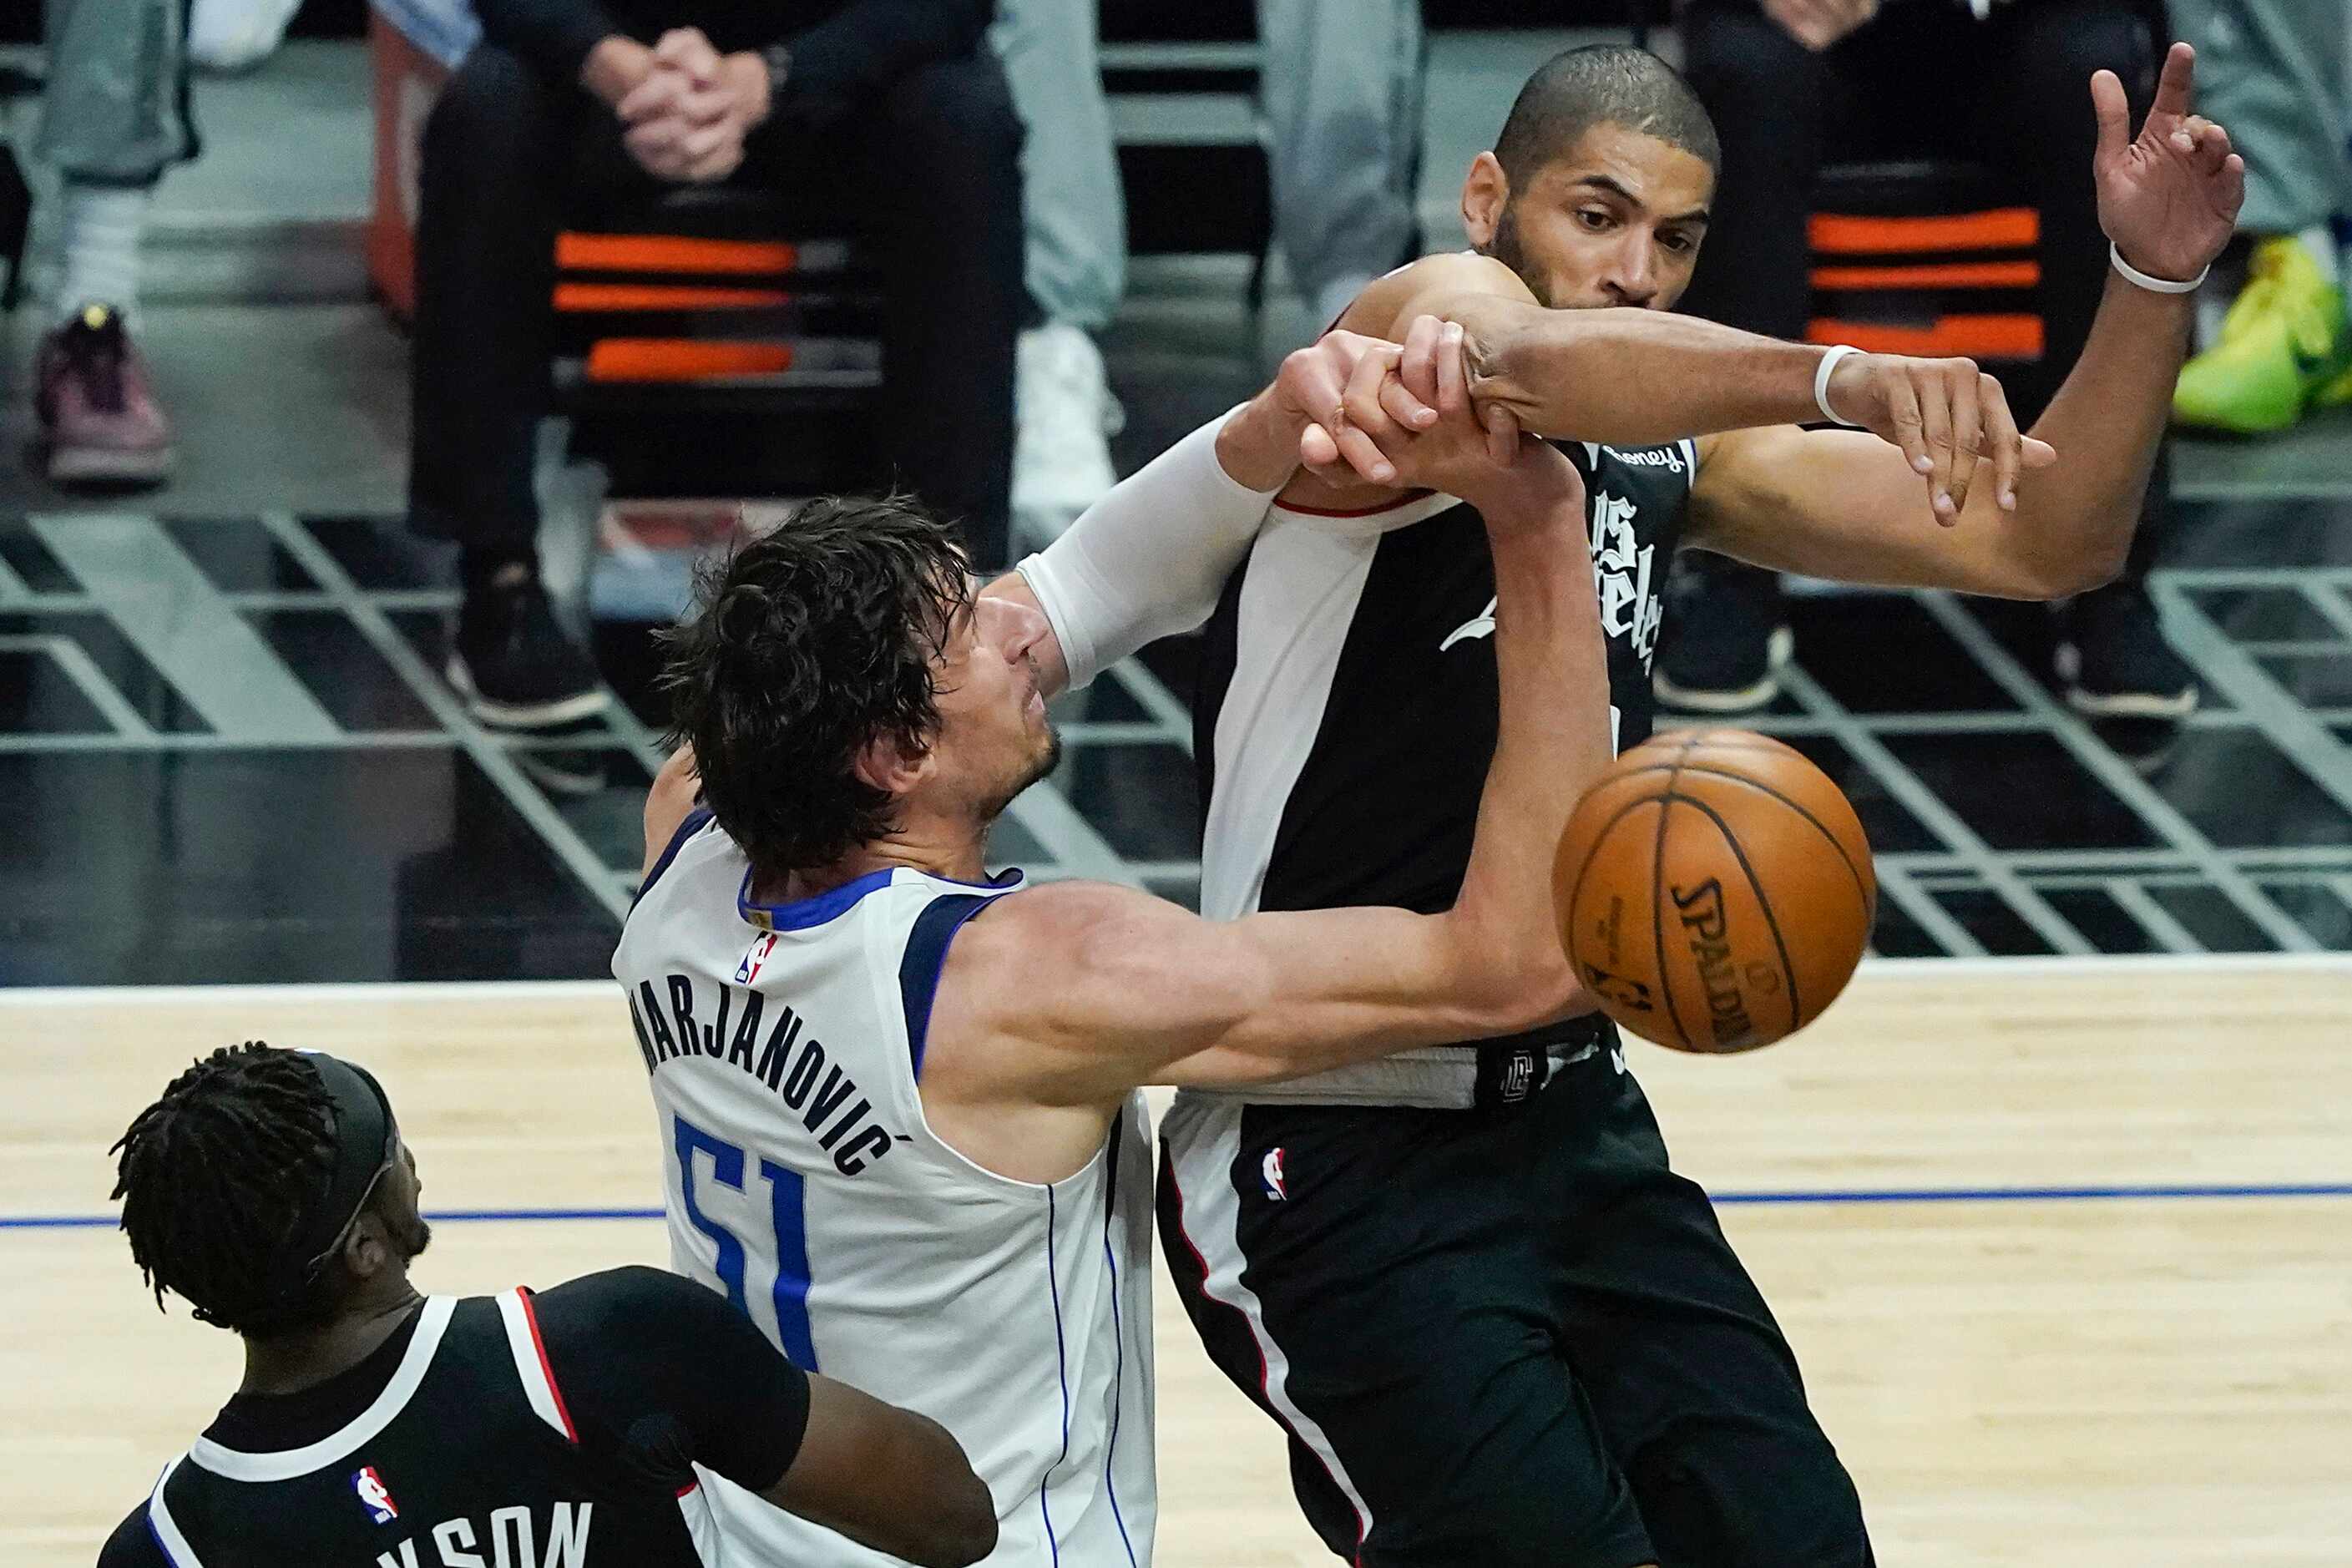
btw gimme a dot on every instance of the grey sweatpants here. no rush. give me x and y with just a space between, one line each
2274 72
1074 215
115 111
1341 93
1342 81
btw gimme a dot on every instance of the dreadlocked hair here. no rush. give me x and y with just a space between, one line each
216 1178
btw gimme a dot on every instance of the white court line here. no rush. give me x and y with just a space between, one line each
576 990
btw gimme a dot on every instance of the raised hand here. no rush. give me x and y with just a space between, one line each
2169 196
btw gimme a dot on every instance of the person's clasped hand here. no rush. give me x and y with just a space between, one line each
686 121
1818 24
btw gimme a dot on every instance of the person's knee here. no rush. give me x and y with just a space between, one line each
485 110
1744 1497
1742 63
2058 47
958 111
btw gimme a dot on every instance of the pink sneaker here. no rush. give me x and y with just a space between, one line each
100 421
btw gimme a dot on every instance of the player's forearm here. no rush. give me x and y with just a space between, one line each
1552 666
1629 377
1149 559
2077 518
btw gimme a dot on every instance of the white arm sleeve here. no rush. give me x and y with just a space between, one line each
1148 560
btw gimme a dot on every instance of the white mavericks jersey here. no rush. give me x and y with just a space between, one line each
785 1043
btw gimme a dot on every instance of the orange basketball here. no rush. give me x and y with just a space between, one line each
1713 890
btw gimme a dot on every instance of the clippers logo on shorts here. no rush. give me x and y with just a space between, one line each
754 957
1276 1186
1519 1077
374 1496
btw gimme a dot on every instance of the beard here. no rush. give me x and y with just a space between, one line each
412 1238
1506 248
1037 765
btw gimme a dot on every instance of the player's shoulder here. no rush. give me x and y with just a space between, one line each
1063 911
1386 298
132 1544
611 1298
1086 934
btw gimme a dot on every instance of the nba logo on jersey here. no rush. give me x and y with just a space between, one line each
374 1496
754 957
1276 1187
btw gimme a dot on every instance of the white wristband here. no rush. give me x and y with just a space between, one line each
2154 285
1822 384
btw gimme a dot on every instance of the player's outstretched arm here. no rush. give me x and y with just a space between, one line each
889 1479
1149 559
1141 991
634 1351
1633 377
1834 504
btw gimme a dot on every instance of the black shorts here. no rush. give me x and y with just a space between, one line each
1500 1336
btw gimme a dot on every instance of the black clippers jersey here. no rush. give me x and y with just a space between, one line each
1349 699
468 1459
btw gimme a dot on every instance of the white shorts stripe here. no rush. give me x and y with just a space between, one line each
522 1342
1203 1137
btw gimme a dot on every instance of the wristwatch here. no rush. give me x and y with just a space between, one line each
779 61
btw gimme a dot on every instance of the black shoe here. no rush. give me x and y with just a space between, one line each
2115 663
1728 643
514 665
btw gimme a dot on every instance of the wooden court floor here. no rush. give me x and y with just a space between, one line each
2035 1228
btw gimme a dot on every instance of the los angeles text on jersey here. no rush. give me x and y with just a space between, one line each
507 1538
795 1068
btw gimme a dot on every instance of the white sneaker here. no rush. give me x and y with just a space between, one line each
1061 461
237 34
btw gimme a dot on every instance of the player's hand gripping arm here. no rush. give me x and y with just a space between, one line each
1835 504
1149 559
1144 992
889 1479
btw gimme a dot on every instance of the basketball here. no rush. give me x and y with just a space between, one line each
1713 890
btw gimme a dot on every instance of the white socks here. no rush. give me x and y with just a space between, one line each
102 224
2320 240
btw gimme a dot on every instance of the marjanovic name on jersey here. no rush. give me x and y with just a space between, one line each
797 1070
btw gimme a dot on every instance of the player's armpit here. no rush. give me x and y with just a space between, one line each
887 1478
1095 989
1845 505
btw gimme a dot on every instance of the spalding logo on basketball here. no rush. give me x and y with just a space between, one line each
1713 890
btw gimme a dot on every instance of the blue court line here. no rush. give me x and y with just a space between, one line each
1830 1195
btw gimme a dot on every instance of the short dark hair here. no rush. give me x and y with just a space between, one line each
807 643
217 1179
1601 84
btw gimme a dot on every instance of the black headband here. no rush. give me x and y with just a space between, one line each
364 1136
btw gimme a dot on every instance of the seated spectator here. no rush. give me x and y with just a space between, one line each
886 118
114 116
1795 83
2279 74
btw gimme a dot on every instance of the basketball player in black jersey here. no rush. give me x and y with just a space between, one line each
379 1428
1497 1327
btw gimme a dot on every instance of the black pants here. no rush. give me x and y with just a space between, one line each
1506 1337
927 174
1922 78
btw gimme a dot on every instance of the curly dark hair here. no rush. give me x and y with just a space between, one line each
217 1179
805 644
